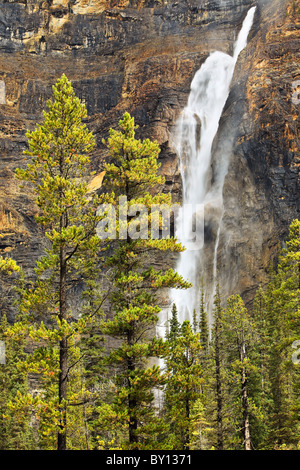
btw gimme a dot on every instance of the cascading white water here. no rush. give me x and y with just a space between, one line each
193 140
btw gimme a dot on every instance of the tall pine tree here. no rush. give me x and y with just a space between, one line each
280 304
132 179
58 149
184 380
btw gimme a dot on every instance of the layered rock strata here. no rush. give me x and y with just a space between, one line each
141 56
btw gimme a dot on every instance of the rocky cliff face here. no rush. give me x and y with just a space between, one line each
261 192
140 56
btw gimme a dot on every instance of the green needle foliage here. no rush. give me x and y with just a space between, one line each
173 326
238 332
183 387
203 325
15 430
16 434
278 314
59 149
228 384
135 284
8 266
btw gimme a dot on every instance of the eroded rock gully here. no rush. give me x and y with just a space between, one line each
140 56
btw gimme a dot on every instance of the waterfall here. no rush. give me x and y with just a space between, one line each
193 139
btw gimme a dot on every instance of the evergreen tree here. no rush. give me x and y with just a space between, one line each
207 367
182 393
174 325
16 431
282 327
260 423
133 176
203 324
195 321
15 434
216 351
239 336
59 149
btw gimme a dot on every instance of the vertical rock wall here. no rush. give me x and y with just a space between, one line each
140 56
261 192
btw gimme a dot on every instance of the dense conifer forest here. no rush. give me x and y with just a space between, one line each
100 378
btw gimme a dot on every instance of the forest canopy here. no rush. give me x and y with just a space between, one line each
99 376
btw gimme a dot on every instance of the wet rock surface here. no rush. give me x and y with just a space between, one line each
261 192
